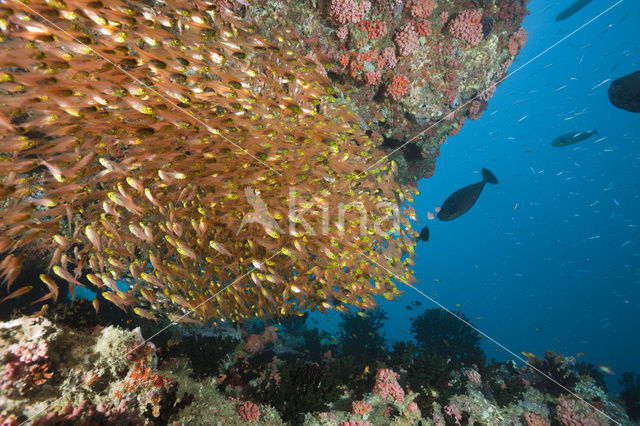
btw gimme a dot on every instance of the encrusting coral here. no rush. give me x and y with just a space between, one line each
173 149
450 52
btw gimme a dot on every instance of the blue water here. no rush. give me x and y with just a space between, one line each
550 257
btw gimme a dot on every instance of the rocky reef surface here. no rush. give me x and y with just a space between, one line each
413 70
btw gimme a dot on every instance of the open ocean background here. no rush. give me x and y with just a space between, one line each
548 259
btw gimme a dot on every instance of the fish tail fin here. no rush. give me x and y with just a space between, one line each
487 176
596 132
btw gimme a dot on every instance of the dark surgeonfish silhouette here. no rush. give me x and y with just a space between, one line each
573 8
463 199
424 235
624 92
572 137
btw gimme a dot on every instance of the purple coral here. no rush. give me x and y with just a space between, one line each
517 41
467 26
344 12
407 40
512 9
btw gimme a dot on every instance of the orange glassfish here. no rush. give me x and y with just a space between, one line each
144 314
19 292
51 284
40 312
113 298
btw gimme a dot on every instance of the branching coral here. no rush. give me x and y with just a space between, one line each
504 382
205 166
631 394
429 375
361 337
437 330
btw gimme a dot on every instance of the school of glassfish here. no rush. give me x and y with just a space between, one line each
128 135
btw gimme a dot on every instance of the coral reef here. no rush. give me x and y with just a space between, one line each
572 412
276 385
449 53
93 368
